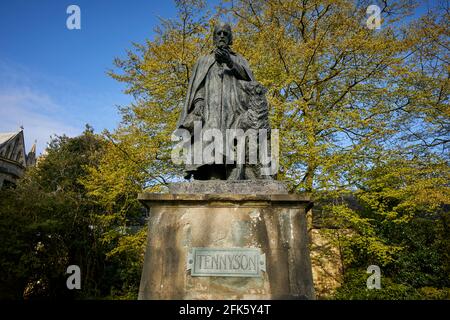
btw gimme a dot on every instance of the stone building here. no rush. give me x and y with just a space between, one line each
13 158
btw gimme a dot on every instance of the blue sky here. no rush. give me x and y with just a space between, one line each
53 80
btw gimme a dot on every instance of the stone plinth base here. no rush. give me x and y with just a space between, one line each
273 223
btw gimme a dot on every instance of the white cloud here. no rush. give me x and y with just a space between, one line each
47 104
36 112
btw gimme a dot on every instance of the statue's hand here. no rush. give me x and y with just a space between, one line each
219 55
223 56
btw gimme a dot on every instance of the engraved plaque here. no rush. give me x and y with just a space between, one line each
226 262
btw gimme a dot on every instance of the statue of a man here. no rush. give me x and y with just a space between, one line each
218 97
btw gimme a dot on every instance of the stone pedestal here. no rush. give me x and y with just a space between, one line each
249 214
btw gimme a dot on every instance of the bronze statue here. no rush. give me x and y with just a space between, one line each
223 94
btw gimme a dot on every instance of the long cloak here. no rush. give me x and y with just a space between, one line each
225 100
223 93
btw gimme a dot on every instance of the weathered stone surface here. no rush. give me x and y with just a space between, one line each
229 186
274 223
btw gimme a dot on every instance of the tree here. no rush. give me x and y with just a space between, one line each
47 223
349 102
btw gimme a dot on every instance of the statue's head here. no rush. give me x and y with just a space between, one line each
222 35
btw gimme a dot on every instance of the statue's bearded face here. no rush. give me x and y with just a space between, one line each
222 36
